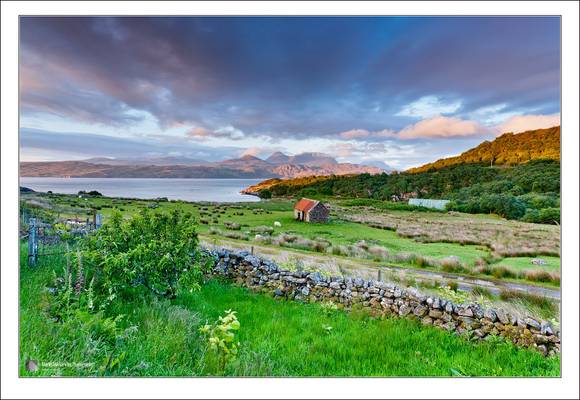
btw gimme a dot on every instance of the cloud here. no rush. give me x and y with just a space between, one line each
69 145
443 127
521 123
363 134
355 134
214 71
429 106
226 132
252 151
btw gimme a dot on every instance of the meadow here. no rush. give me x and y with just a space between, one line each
160 337
484 246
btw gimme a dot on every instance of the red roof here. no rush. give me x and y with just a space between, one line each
305 205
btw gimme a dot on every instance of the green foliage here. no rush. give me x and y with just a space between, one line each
543 305
265 194
92 193
220 338
280 338
550 215
70 292
510 192
507 149
328 307
456 296
155 251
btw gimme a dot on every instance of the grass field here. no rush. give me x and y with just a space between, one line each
278 338
431 235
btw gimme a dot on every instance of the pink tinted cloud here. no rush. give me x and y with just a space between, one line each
198 131
443 127
521 123
355 134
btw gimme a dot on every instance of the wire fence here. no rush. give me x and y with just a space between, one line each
43 236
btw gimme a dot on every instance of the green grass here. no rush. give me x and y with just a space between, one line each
525 263
337 232
278 338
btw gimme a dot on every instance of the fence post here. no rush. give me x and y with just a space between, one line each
380 276
32 242
98 220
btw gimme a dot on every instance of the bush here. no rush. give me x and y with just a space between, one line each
503 272
220 337
150 251
92 193
234 226
540 276
262 229
265 194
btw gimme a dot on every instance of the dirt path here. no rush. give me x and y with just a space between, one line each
371 270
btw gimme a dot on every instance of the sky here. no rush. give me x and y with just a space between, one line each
401 91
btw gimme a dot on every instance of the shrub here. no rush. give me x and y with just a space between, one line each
540 276
379 253
220 337
265 194
262 229
451 264
328 307
450 292
503 272
150 251
234 226
70 292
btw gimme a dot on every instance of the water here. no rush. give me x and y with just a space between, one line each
218 190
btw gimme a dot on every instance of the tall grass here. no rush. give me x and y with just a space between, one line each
278 338
539 304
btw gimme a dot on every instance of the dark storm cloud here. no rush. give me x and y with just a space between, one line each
297 77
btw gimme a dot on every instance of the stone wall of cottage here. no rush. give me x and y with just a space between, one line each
319 213
381 298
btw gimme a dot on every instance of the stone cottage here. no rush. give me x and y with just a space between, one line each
310 211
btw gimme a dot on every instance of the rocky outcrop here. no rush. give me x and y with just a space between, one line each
381 298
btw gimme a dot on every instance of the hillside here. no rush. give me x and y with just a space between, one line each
528 192
507 149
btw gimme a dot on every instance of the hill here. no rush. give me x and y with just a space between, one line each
528 192
507 149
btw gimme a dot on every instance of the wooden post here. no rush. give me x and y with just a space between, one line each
380 276
32 242
252 250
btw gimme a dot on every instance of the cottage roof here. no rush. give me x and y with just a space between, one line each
305 205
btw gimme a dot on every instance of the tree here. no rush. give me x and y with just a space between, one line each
265 194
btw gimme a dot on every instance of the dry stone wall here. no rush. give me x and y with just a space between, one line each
381 298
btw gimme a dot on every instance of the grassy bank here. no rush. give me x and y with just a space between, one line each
278 338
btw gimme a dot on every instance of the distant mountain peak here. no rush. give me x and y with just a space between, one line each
250 157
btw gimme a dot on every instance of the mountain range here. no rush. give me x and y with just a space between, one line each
277 165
